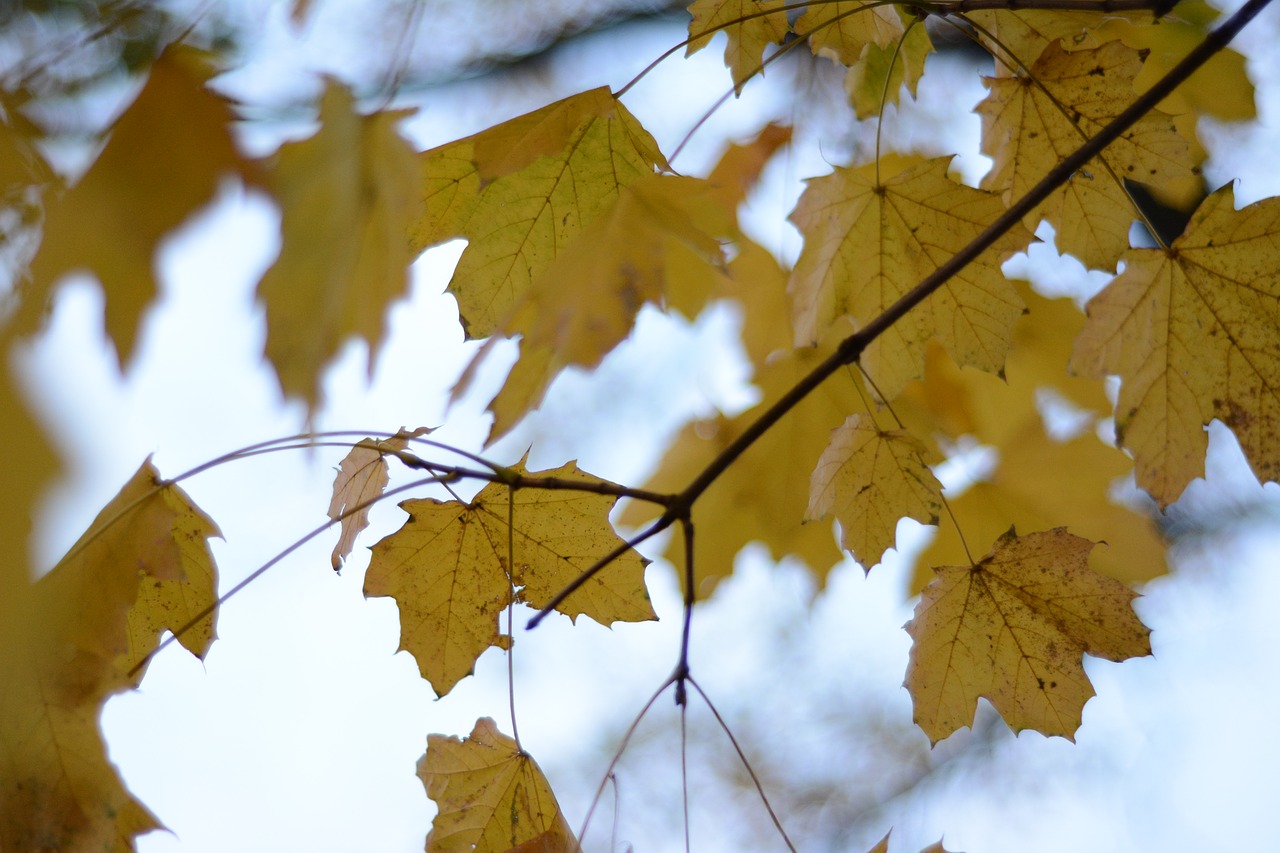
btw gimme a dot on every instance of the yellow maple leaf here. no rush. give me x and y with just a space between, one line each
1082 472
869 240
1220 88
750 25
449 572
347 195
1012 628
842 29
74 640
553 172
1032 121
362 478
870 479
1192 331
491 797
163 161
1021 35
585 303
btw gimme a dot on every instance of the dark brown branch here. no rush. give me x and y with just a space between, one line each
851 348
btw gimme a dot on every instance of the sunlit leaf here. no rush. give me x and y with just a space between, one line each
1032 121
750 25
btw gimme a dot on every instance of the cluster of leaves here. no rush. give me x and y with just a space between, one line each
902 338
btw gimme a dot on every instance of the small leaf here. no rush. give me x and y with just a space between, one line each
491 797
880 73
362 478
1012 628
748 30
870 479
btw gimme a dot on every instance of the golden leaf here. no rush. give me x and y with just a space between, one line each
72 643
1012 628
842 29
347 195
1194 333
163 161
491 797
588 147
585 302
870 479
748 30
449 572
869 240
1031 122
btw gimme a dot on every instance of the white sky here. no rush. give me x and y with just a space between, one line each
302 728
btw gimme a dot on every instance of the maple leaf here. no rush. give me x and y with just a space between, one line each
1220 88
164 159
869 240
585 303
1021 35
750 25
871 478
1193 331
549 174
74 641
1032 121
842 29
449 572
491 797
362 478
1012 628
880 73
346 196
